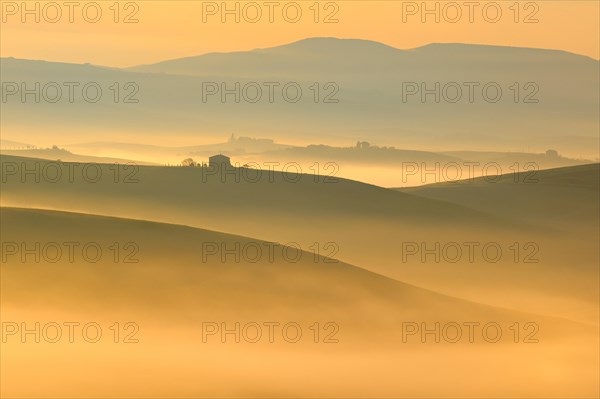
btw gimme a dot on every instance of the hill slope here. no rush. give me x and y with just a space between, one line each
357 223
161 305
565 198
199 267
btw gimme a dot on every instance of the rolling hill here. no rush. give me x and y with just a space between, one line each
218 280
354 222
161 304
565 198
60 154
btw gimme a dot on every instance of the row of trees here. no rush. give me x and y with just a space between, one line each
189 162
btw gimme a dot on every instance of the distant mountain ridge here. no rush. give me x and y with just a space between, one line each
350 89
331 49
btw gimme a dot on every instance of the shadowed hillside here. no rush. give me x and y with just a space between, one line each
244 194
565 198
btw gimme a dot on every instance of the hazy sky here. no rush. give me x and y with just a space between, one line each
173 29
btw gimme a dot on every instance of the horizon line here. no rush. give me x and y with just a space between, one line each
299 41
